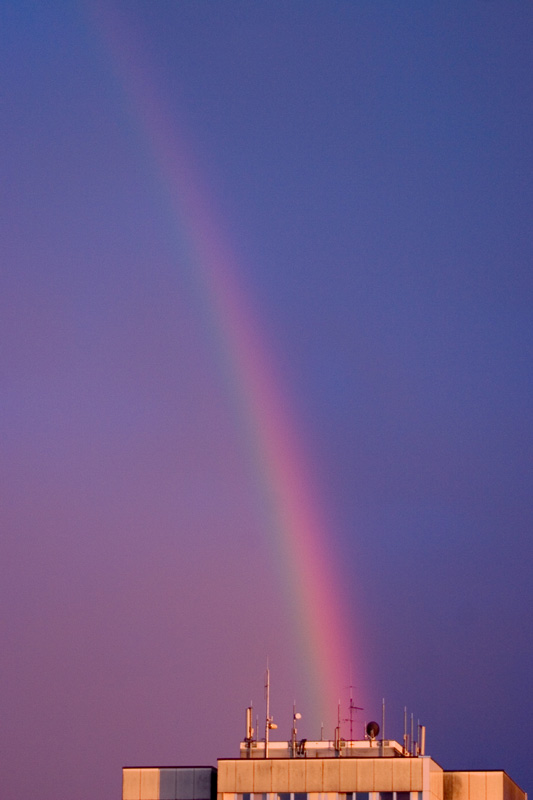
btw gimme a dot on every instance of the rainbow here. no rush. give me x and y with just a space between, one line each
299 530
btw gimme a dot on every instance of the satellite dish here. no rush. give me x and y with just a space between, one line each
372 729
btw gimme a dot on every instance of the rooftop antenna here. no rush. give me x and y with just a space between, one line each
372 730
338 728
269 722
405 736
413 748
294 733
383 727
352 707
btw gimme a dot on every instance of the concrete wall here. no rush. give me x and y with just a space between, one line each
510 790
323 775
479 785
436 782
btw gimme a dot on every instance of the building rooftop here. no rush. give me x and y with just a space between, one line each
342 748
337 769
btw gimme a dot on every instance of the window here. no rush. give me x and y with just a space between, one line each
267 796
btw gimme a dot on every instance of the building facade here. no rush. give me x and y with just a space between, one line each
326 770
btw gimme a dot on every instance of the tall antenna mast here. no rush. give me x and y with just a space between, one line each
269 723
352 707
383 728
267 717
294 733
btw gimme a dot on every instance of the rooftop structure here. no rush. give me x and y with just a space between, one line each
338 769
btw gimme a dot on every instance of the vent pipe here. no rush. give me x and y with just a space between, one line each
422 740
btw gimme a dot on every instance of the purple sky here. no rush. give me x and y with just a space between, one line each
371 164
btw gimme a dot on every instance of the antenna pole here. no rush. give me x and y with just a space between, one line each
267 720
352 707
383 727
293 732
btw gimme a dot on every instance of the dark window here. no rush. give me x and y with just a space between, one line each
361 796
403 795
300 795
386 796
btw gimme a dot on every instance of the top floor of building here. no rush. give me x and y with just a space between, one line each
297 769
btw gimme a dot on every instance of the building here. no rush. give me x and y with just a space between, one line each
367 769
169 783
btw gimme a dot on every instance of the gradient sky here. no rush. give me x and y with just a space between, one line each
359 176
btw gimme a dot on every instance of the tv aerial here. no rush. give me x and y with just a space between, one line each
351 708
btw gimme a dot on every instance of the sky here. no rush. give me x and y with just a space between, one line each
266 382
